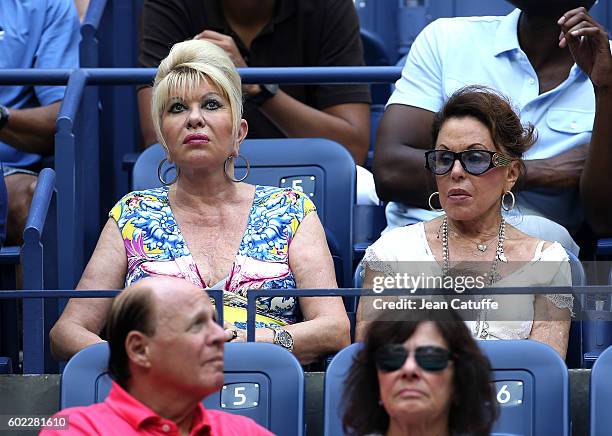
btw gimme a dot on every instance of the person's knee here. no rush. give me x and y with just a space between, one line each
20 190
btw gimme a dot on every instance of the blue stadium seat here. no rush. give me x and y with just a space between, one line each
600 396
6 365
369 222
262 381
575 355
375 54
376 114
593 334
321 168
335 375
531 381
379 17
604 247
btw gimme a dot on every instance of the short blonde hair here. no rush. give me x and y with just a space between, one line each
187 65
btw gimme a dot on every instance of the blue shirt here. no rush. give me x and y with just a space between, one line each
35 34
454 52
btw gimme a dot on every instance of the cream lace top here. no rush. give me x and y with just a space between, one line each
406 248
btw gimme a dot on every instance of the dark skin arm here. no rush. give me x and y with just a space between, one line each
31 130
561 171
399 161
588 42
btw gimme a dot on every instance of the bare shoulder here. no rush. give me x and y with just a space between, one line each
433 227
519 241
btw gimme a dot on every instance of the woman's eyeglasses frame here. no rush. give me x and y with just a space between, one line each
385 355
496 160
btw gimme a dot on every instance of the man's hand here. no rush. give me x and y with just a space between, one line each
588 43
228 44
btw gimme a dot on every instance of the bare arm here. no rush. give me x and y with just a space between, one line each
588 43
561 171
595 181
348 124
83 319
31 130
325 328
365 310
551 325
399 159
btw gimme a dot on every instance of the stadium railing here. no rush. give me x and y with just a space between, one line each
77 147
34 331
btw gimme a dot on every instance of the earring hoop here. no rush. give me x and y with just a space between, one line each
248 168
161 177
429 201
503 203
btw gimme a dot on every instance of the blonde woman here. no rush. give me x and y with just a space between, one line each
210 228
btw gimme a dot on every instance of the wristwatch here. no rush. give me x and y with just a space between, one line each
4 116
283 338
268 91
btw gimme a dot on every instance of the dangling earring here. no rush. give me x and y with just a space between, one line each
160 176
248 168
503 203
429 201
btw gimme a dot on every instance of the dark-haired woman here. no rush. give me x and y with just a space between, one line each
419 377
478 144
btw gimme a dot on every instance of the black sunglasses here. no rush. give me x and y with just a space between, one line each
391 357
474 162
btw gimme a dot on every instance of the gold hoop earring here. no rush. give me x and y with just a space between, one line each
248 168
429 201
503 203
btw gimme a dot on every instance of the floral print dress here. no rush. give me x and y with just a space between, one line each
154 246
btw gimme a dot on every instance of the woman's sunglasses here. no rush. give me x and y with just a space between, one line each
474 162
391 357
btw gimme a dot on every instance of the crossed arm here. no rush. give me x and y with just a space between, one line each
31 130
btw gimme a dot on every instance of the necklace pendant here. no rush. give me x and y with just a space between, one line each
481 247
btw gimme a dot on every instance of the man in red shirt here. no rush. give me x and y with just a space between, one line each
166 356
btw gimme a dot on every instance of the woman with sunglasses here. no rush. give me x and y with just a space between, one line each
419 377
478 144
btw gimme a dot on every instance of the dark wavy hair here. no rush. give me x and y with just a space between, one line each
473 407
494 110
133 309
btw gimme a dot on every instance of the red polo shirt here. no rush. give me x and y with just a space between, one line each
122 414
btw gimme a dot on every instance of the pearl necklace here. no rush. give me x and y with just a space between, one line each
494 276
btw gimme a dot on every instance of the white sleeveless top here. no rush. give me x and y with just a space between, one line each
398 249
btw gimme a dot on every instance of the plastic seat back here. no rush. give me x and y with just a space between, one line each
531 383
261 381
322 169
532 388
600 396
